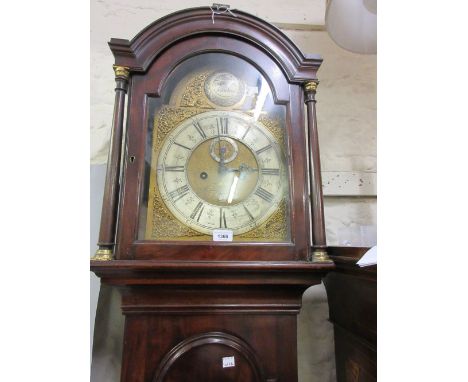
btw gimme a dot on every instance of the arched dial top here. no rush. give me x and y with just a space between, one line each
221 169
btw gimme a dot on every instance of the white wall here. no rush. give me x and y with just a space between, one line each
346 117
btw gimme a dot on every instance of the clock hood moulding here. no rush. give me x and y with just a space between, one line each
139 53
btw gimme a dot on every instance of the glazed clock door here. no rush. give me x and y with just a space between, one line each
217 158
216 141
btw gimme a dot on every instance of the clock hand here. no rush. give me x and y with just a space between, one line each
232 190
242 170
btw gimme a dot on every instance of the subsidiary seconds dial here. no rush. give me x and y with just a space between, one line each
221 170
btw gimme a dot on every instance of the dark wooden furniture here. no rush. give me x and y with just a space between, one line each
189 305
352 298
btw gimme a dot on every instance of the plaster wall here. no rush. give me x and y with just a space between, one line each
347 123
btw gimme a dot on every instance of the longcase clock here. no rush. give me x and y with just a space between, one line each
208 226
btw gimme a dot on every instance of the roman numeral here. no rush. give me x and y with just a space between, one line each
199 129
270 171
179 193
184 147
197 211
222 218
174 168
264 149
248 213
264 194
223 125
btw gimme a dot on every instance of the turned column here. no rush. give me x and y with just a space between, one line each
110 201
319 241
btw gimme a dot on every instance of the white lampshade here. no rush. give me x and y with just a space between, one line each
352 24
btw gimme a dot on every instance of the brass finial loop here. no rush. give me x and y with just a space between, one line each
121 71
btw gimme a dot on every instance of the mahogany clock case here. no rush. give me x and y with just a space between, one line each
151 61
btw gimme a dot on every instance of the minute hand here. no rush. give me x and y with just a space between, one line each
243 169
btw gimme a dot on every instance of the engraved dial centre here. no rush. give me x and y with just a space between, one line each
226 182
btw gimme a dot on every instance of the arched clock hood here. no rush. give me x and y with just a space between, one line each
138 53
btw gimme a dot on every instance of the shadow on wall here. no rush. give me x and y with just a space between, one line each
97 178
108 337
315 338
107 322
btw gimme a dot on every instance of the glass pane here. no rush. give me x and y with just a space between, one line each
215 156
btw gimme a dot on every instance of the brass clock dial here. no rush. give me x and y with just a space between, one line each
221 169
